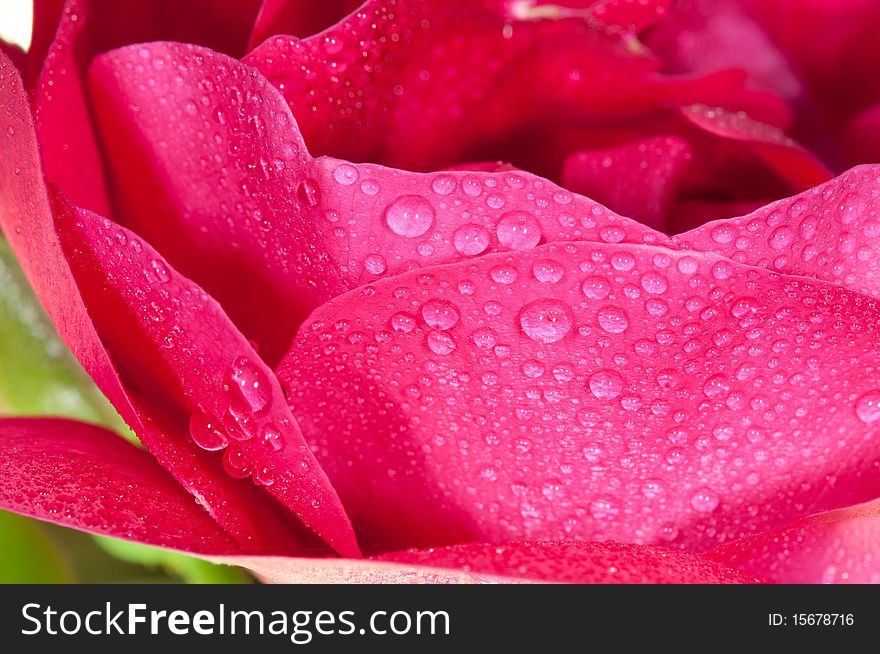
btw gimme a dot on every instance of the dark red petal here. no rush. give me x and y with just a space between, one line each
70 153
521 562
830 232
630 15
592 391
791 162
862 137
837 547
85 477
423 85
639 179
301 18
172 344
28 224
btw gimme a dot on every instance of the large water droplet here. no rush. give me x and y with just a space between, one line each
410 216
518 230
309 193
206 432
613 320
403 322
439 314
547 271
235 463
705 500
868 407
440 343
345 174
271 438
654 283
251 383
470 239
596 288
375 264
545 321
606 384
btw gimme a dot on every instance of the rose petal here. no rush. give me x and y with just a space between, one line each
423 85
834 547
791 162
272 233
829 232
862 136
587 390
638 179
302 18
174 346
71 156
28 223
523 562
630 15
86 477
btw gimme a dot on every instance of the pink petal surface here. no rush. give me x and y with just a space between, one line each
85 477
840 546
523 562
829 232
639 179
422 85
588 390
28 223
71 156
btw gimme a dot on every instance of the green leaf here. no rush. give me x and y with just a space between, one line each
28 554
188 568
39 375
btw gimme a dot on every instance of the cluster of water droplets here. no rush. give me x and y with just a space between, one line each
574 382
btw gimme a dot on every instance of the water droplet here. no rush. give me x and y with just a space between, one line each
623 261
613 320
403 322
409 216
345 174
251 383
440 343
470 239
443 184
235 463
781 238
547 271
868 407
503 274
705 500
439 314
206 432
716 386
160 270
518 230
375 264
271 438
654 283
596 288
309 193
606 384
603 509
545 321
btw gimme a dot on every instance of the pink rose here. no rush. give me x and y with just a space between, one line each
358 348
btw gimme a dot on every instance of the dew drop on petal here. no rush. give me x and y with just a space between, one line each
545 321
206 432
613 320
470 239
251 383
439 314
606 384
409 216
868 407
518 230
